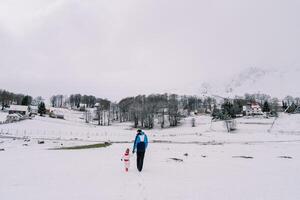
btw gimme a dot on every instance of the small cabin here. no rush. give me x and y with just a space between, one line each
18 109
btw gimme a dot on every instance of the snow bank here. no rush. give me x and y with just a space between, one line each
287 124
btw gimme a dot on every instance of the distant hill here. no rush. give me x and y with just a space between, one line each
277 83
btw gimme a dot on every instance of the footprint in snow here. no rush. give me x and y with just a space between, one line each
247 157
287 157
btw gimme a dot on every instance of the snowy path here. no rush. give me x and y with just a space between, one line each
209 172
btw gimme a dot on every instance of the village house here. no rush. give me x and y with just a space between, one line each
252 109
23 110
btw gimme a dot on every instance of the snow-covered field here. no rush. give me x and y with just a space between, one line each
257 161
2 116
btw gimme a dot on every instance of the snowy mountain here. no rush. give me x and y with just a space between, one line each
277 83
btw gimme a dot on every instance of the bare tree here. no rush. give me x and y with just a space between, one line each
173 110
289 100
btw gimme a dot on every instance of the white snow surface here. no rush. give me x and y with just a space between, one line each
213 169
3 116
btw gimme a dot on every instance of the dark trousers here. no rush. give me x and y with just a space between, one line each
140 160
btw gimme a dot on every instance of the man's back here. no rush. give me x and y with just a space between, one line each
141 142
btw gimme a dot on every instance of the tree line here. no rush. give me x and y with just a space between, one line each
231 108
74 100
142 110
168 109
7 98
147 110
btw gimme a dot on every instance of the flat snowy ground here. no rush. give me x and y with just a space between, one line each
2 116
255 162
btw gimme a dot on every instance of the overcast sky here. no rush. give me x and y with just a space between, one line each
118 48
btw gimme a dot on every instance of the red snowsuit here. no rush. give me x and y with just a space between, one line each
126 159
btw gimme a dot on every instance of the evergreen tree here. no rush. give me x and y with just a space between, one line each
284 105
266 107
228 110
42 108
26 101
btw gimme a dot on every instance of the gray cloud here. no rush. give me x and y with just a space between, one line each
118 48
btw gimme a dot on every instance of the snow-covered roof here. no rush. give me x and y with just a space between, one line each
18 108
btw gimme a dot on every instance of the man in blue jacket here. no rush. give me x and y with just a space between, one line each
140 144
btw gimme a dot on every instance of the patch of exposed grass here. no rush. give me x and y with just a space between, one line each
90 146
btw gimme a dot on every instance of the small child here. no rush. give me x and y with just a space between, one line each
126 159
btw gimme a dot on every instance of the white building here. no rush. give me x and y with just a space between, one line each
23 110
252 109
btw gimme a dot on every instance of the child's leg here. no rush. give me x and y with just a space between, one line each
127 165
